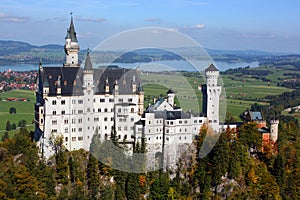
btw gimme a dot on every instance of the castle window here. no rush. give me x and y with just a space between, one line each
215 121
105 136
185 130
105 127
167 138
79 129
96 119
63 112
102 100
195 121
132 110
66 139
80 121
105 110
42 121
73 139
125 128
112 119
185 121
132 119
180 122
73 130
111 100
54 102
54 122
88 110
179 138
99 109
119 128
130 100
80 111
200 121
73 112
209 121
80 101
105 119
66 121
53 112
185 137
54 131
80 138
66 130
125 137
120 100
119 136
73 101
119 110
42 111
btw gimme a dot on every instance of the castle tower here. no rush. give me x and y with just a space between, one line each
171 96
88 73
211 96
71 47
88 90
274 130
141 100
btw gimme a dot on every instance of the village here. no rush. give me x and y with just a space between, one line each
11 80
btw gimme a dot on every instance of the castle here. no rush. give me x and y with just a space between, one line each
74 102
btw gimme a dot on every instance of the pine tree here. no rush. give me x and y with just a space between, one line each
62 170
8 126
93 179
132 186
5 136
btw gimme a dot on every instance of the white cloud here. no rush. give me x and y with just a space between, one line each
11 18
152 19
199 26
90 19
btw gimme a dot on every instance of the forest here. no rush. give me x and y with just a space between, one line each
229 171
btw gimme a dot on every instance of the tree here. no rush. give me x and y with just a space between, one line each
8 126
93 179
62 170
12 110
22 123
132 186
5 136
249 136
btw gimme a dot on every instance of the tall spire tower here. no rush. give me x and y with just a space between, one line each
211 96
71 47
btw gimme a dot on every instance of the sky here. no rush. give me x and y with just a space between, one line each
267 25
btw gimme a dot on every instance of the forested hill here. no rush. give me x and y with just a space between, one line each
15 47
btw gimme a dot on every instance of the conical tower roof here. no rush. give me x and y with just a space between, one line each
71 32
88 63
211 68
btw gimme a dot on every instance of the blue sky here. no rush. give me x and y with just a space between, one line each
218 24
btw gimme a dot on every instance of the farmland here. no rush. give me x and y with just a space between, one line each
25 110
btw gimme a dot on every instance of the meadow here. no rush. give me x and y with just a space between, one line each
237 95
25 110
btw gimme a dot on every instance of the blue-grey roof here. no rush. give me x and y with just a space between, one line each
256 116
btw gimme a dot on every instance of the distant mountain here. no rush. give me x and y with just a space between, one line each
14 52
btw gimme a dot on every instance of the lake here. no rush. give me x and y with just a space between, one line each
177 65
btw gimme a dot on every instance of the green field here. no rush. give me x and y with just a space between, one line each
237 95
25 110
